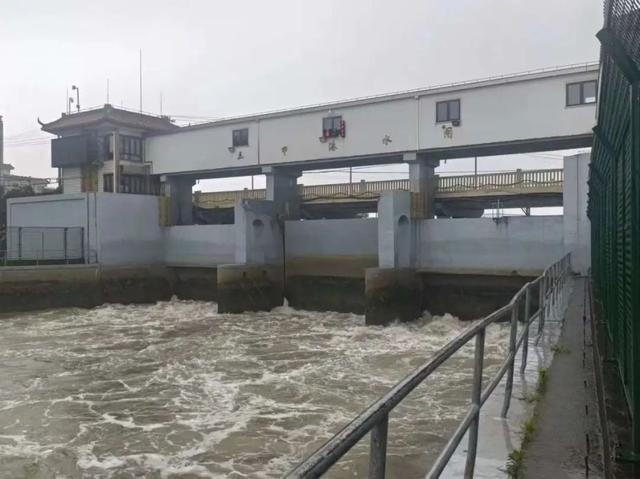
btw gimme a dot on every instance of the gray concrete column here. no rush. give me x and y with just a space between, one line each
393 291
282 190
179 191
576 224
422 184
258 233
256 281
396 232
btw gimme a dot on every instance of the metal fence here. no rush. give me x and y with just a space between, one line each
614 196
552 292
42 245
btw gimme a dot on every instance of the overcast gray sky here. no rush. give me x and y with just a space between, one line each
220 58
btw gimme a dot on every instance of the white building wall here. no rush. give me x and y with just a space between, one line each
366 126
119 230
507 112
128 229
40 213
511 109
202 149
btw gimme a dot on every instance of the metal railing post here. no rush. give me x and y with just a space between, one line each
65 243
512 357
542 300
378 451
525 341
554 291
476 393
20 242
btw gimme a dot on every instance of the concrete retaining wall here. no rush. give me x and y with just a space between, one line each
199 245
515 245
340 248
326 262
28 288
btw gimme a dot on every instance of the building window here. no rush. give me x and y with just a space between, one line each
582 93
332 127
240 137
107 184
448 110
134 184
131 148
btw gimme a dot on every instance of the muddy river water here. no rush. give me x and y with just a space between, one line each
175 390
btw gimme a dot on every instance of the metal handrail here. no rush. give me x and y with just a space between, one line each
375 419
370 190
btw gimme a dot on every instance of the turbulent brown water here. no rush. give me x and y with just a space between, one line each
175 390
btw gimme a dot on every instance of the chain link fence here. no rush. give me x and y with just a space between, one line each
614 196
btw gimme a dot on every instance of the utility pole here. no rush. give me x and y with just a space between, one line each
475 172
141 80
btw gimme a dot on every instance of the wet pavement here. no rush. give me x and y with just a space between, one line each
567 439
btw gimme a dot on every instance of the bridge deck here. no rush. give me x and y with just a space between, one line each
530 183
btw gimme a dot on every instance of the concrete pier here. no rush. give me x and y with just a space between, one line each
392 294
282 190
180 194
394 290
422 184
249 287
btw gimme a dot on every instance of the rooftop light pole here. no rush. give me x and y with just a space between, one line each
77 89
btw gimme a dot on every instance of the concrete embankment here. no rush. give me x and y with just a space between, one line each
314 287
28 288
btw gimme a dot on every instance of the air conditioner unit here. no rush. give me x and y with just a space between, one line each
455 122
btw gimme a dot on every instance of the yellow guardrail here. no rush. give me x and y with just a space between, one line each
485 184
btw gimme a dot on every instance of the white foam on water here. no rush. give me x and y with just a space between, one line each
175 388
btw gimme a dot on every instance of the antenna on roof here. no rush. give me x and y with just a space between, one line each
107 91
160 103
141 80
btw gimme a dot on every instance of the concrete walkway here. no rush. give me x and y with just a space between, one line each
566 443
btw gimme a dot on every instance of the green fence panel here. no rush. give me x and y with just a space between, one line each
614 198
